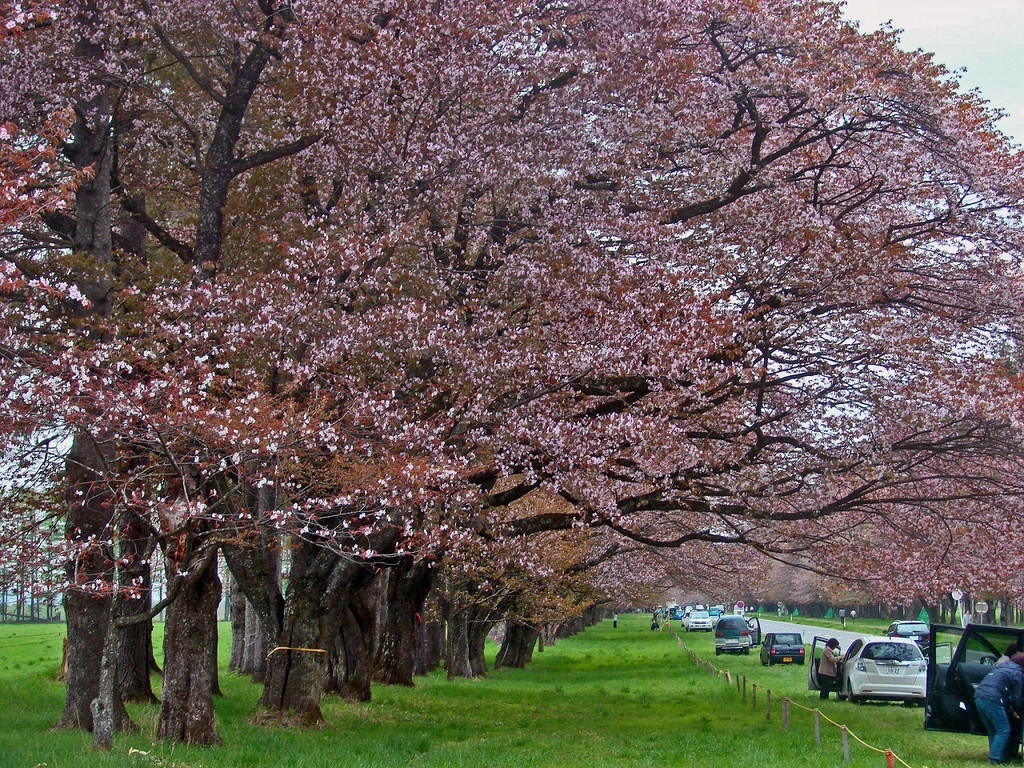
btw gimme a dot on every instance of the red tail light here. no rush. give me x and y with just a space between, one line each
744 634
719 634
772 651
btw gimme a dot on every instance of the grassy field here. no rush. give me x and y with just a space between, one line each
609 697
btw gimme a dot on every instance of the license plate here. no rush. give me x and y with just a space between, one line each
787 658
892 670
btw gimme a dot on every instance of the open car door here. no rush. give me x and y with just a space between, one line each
817 646
958 659
754 624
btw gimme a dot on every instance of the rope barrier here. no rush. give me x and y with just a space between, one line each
891 758
289 648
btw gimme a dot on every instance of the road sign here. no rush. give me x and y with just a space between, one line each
957 595
981 606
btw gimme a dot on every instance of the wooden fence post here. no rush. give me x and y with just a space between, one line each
785 713
817 727
846 745
768 704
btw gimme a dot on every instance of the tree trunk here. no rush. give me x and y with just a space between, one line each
479 626
257 646
87 612
351 662
255 567
457 648
237 602
517 649
135 641
186 706
320 588
931 609
297 669
108 712
407 586
430 647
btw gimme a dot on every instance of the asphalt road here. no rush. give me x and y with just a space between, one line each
808 632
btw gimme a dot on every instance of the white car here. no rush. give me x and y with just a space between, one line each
885 668
698 621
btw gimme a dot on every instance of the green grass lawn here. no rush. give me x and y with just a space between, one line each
609 697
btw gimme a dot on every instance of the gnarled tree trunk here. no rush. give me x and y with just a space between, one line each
108 712
407 586
257 645
135 641
90 561
430 647
236 601
351 659
479 625
517 648
297 669
457 660
186 705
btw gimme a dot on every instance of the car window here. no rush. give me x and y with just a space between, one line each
912 629
699 615
854 648
788 638
892 652
943 653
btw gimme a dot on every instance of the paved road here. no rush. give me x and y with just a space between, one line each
807 632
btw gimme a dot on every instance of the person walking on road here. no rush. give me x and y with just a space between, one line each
842 616
828 669
998 697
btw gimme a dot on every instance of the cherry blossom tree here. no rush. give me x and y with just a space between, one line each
711 274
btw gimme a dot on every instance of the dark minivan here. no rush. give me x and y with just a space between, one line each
732 635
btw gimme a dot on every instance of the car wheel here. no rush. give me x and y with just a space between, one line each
765 663
855 699
746 651
718 652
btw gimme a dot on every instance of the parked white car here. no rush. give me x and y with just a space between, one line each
698 621
885 668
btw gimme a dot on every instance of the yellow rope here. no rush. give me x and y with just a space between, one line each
289 648
825 717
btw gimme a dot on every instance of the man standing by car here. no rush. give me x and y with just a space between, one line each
999 696
828 669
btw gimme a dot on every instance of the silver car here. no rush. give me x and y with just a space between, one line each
698 621
883 668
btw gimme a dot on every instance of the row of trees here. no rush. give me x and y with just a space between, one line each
552 298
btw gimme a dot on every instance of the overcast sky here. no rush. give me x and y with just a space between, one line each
984 37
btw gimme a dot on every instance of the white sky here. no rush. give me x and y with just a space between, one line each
983 37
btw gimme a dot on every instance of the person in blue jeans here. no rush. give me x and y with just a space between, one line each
999 693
